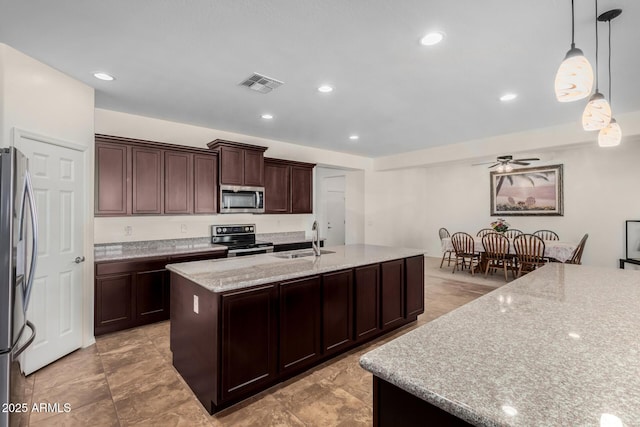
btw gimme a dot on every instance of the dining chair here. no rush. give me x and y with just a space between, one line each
529 252
576 258
484 232
496 254
547 235
444 233
512 233
464 247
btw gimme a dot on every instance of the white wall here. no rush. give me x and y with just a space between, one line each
108 230
44 101
600 193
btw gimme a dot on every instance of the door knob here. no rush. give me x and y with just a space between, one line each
78 260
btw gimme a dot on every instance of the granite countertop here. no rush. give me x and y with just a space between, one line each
557 347
285 237
242 272
151 248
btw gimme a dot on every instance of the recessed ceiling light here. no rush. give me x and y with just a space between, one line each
508 97
267 116
325 89
354 137
432 38
103 76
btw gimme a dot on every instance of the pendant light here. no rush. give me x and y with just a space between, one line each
597 113
574 78
612 134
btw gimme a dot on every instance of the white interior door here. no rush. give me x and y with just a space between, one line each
55 307
335 218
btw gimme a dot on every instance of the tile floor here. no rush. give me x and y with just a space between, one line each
127 378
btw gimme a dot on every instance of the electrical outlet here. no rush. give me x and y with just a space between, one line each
128 230
196 305
183 228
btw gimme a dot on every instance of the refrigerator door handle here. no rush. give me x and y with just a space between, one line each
34 250
27 343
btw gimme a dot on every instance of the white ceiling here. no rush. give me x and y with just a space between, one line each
182 60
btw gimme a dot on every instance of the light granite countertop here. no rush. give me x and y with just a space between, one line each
151 248
242 272
558 347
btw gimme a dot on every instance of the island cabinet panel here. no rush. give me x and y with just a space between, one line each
254 168
337 311
147 180
249 340
178 183
367 301
152 296
231 166
205 184
392 298
194 337
112 180
301 189
300 328
114 303
277 193
414 272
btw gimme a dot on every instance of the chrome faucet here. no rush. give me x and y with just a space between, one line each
315 238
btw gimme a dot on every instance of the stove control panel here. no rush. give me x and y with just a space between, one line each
226 230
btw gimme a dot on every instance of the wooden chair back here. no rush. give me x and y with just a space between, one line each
484 232
444 233
462 243
576 258
547 235
496 246
529 249
512 233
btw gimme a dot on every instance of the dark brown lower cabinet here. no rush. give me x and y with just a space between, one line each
367 306
414 271
240 342
300 307
113 308
249 341
337 311
393 299
131 293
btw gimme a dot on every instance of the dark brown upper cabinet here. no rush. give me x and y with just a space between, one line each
288 186
240 164
178 182
112 179
137 177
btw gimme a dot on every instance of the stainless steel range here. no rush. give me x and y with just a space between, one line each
240 239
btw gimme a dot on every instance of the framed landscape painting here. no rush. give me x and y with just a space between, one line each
527 192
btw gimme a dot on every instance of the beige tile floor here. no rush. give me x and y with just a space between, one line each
127 378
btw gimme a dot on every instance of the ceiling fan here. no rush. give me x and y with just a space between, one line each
504 163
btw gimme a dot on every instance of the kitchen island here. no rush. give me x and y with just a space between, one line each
558 347
239 326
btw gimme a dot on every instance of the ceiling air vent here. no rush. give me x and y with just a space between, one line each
260 83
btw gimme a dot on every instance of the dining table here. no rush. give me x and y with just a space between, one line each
554 249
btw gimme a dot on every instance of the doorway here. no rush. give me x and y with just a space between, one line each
334 189
57 172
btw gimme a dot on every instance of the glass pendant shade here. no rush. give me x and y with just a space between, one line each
597 113
611 135
574 79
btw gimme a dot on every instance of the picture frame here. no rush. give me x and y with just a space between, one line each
535 191
632 236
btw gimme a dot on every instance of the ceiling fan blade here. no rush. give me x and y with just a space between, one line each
483 163
515 162
526 160
494 165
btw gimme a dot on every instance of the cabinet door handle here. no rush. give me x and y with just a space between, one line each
78 260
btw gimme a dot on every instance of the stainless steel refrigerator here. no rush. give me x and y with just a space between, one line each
18 242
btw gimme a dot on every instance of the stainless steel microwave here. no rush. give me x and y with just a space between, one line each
240 199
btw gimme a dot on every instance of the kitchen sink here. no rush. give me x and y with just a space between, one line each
301 254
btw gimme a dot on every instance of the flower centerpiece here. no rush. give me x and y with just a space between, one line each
500 225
